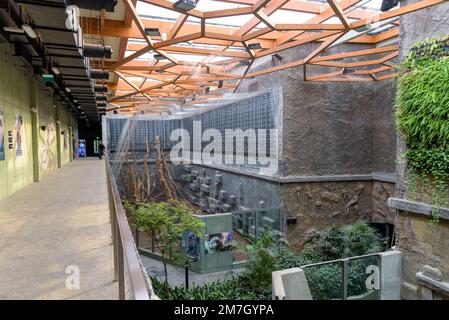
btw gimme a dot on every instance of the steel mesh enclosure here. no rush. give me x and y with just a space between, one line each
256 112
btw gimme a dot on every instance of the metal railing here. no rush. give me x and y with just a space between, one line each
249 222
345 279
128 269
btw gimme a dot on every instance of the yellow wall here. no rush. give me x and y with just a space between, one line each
16 92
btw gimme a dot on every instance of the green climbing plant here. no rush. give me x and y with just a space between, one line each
422 115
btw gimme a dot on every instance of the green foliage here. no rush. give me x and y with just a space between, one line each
425 52
422 115
268 254
262 257
166 221
423 104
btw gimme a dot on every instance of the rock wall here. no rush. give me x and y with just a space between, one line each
318 205
331 131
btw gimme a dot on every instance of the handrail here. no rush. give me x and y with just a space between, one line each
126 257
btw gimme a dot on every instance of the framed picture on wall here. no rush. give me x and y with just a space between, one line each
18 127
2 137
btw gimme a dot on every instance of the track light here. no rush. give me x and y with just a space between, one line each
277 56
153 32
185 5
244 63
388 4
254 46
55 71
220 84
17 31
159 56
348 70
207 90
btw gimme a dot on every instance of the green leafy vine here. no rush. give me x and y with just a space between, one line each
422 115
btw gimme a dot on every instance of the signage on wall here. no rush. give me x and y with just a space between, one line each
82 148
10 145
2 137
18 128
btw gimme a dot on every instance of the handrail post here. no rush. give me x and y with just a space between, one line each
113 218
121 269
344 279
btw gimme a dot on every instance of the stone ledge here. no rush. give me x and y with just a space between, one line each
439 286
417 207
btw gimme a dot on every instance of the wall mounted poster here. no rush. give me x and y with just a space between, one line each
217 242
2 137
18 125
66 140
191 244
49 138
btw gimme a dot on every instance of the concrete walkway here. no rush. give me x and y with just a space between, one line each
59 222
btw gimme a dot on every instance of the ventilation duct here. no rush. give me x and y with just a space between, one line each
98 5
97 51
99 74
101 98
100 88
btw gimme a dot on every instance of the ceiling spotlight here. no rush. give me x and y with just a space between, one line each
388 4
244 63
220 84
277 56
29 31
185 5
153 32
55 71
18 31
159 56
254 46
207 90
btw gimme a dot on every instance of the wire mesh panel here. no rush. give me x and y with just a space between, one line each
255 113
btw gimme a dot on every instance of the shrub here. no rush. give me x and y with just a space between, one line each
167 221
268 255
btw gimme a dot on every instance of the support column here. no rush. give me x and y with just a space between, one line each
34 107
70 133
58 132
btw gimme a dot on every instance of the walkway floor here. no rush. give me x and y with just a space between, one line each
49 226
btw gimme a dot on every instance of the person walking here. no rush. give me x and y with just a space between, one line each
101 149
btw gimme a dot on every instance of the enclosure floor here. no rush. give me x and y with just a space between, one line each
59 222
176 275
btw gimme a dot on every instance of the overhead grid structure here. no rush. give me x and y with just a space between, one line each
188 52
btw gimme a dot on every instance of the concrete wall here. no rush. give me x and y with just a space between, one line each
335 135
20 92
420 243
